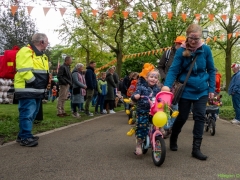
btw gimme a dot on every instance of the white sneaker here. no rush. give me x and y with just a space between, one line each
75 114
104 111
112 112
234 121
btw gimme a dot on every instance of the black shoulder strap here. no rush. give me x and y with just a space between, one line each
167 56
190 70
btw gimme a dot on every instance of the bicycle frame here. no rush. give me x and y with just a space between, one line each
157 132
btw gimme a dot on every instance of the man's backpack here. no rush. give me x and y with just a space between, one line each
167 56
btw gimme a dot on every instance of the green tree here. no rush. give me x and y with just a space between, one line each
230 26
15 30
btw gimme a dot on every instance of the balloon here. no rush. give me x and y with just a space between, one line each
159 119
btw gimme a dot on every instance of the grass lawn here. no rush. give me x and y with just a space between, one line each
9 119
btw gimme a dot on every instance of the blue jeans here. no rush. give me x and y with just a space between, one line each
49 94
100 101
28 109
199 111
171 119
94 99
236 105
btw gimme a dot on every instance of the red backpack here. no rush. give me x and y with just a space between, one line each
8 63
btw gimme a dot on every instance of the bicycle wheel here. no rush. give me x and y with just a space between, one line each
158 155
145 145
212 126
206 125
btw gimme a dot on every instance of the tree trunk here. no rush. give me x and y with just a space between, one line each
119 63
228 62
87 57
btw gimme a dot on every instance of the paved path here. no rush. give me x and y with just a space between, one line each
100 150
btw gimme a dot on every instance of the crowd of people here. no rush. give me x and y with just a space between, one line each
85 88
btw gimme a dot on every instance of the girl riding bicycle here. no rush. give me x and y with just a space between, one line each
146 91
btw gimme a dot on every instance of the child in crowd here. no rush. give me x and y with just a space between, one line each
146 90
54 93
102 91
132 88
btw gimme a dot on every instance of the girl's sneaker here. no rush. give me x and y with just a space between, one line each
104 111
138 150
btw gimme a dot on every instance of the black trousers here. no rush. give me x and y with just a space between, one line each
199 111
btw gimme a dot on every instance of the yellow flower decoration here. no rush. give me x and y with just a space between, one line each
159 105
147 67
130 121
127 100
175 114
131 132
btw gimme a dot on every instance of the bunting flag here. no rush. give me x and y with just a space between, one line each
211 17
236 34
221 37
215 38
94 11
184 16
45 10
110 13
229 35
238 17
29 9
198 16
125 14
62 10
14 9
154 15
170 15
208 40
140 14
224 17
78 12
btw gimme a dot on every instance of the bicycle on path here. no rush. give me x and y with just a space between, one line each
158 118
210 119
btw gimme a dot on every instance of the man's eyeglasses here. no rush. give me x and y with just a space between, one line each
193 39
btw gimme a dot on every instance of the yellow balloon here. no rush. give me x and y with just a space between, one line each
159 119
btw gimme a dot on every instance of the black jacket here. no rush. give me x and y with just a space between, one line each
90 77
64 75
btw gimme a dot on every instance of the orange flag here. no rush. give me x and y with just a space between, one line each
211 16
161 50
154 15
62 10
215 38
229 35
78 12
140 14
238 17
224 17
149 53
153 51
14 9
170 15
125 14
184 16
45 10
221 37
236 34
208 40
198 16
29 9
110 13
94 11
